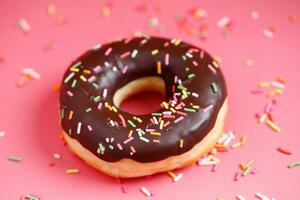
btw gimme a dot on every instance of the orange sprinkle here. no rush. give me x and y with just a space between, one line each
71 114
72 171
130 133
243 140
243 166
158 65
56 87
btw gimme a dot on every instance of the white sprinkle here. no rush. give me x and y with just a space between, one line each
134 53
56 156
96 47
78 127
104 93
277 84
189 55
240 197
97 69
195 95
261 196
254 15
2 133
112 123
90 128
223 138
167 57
178 177
23 24
206 161
153 22
267 33
144 139
223 22
208 108
146 192
211 68
69 77
31 73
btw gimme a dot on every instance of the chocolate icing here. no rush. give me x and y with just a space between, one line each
82 119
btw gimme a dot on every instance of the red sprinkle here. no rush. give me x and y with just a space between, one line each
284 151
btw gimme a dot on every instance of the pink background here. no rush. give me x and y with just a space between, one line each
29 115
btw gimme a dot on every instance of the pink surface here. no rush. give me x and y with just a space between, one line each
29 115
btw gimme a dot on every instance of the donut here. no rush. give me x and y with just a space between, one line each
186 126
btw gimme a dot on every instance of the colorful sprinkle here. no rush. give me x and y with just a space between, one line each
72 171
15 158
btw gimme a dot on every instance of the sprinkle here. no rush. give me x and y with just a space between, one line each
158 66
15 158
83 78
263 118
31 73
134 53
30 197
124 189
236 176
277 84
248 62
268 33
131 123
223 22
70 93
128 140
249 163
144 139
284 151
78 127
99 106
245 173
56 156
88 110
294 164
104 93
132 150
106 11
146 192
51 10
167 57
23 24
189 110
273 126
72 171
97 69
178 119
124 55
214 87
256 170
154 52
208 108
2 134
124 70
153 22
96 47
181 143
108 51
240 197
261 196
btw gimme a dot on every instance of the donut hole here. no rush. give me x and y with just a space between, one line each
141 96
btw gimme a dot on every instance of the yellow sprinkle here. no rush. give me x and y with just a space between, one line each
262 118
72 171
161 125
250 162
86 71
264 84
215 63
154 52
173 110
165 104
172 174
83 78
114 109
158 65
106 104
243 140
155 133
196 106
71 114
273 126
74 70
178 41
130 133
181 143
139 120
236 145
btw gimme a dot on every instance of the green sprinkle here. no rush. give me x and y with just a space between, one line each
181 87
101 148
214 87
95 86
88 110
191 76
97 99
15 158
294 164
76 64
74 83
156 114
31 197
189 110
246 171
111 147
62 114
131 123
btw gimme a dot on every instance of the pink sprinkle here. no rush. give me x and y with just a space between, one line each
150 130
124 70
181 113
122 120
108 51
268 107
92 79
201 54
97 69
167 57
90 128
128 140
167 123
212 68
124 55
166 44
124 189
195 63
178 119
156 141
143 41
208 108
132 149
70 93
119 146
99 106
214 168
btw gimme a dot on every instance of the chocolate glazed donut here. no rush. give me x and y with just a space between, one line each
194 87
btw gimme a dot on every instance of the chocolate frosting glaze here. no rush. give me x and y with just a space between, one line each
195 90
